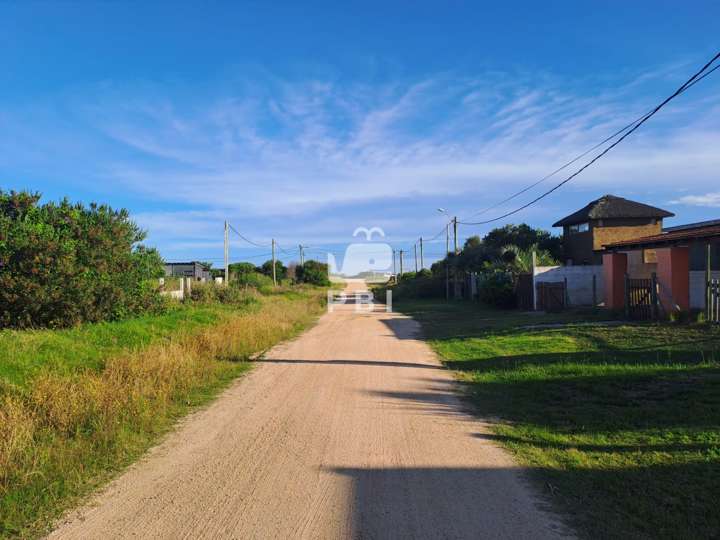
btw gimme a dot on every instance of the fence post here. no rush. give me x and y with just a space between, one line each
708 278
627 296
654 296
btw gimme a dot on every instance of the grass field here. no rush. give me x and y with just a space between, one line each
620 425
78 405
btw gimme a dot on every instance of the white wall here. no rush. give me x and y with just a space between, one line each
579 281
697 288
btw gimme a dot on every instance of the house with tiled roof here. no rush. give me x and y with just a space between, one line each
604 221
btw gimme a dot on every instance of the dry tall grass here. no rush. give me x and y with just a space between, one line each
59 436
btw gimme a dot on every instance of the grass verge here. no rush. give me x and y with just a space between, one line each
108 391
620 424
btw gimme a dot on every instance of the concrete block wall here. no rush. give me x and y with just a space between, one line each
579 281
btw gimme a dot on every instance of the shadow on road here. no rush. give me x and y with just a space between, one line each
377 363
445 502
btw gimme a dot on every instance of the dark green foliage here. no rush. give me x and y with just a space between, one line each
423 284
236 269
62 264
280 269
312 272
255 280
524 237
496 289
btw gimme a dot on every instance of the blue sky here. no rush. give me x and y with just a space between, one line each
303 121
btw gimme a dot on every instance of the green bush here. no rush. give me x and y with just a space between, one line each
280 269
256 280
204 293
240 268
313 272
234 296
496 289
208 293
62 264
421 285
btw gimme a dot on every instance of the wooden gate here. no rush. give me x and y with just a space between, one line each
524 292
551 295
641 299
713 300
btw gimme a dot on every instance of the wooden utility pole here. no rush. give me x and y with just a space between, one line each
422 259
227 253
302 256
447 261
416 266
274 263
456 287
455 235
447 239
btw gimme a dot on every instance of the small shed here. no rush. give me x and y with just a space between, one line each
194 269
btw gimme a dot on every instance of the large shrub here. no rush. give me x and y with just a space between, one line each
312 272
255 280
62 264
280 269
496 289
208 293
423 284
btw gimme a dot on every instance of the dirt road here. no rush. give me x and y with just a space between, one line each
351 431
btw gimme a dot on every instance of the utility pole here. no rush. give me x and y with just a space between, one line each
394 269
416 266
401 262
456 287
422 259
302 258
455 235
274 263
447 261
227 253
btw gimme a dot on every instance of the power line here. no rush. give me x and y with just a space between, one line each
233 229
694 79
585 153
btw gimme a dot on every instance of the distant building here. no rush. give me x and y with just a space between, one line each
194 269
604 221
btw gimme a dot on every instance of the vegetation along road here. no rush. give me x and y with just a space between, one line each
352 430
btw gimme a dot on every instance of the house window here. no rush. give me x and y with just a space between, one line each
578 228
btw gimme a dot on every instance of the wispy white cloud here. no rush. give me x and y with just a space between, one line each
311 151
711 200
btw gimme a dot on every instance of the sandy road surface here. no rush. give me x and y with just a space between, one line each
351 431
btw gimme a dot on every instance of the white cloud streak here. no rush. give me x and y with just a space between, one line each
304 149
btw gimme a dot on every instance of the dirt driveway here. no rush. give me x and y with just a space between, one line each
352 430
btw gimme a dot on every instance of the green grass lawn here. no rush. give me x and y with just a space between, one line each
619 424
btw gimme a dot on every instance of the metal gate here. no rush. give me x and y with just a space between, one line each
641 299
713 300
551 295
